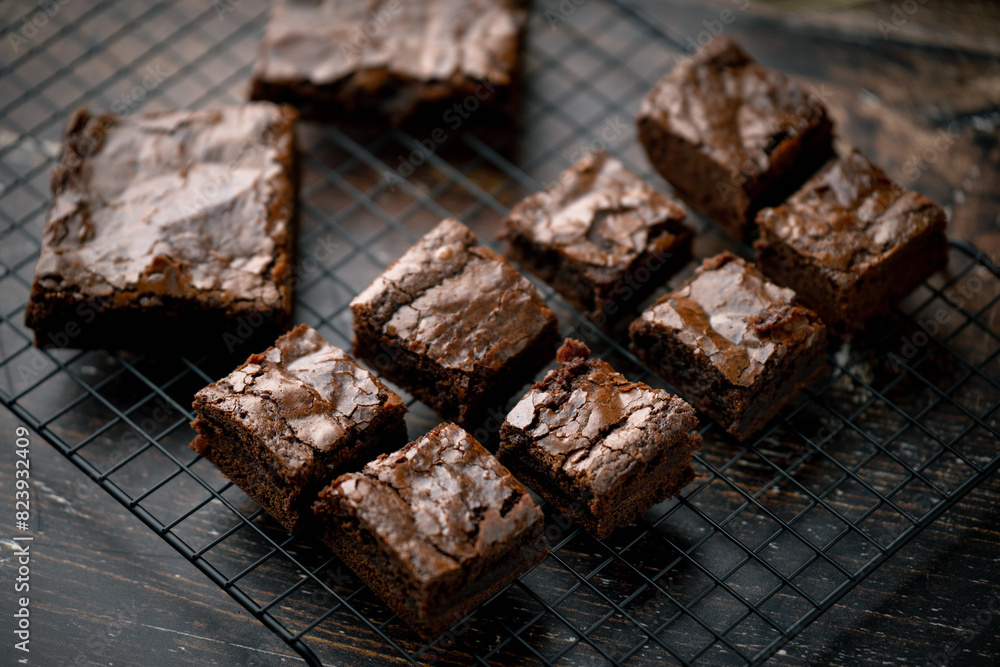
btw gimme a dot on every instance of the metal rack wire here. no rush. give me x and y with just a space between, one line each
771 535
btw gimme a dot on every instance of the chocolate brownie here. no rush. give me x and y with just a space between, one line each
292 418
435 528
168 230
446 62
600 236
454 323
735 344
602 449
851 242
731 136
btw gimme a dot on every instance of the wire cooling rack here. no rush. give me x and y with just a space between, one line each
771 535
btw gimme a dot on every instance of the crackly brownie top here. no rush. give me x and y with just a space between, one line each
169 204
731 314
438 503
850 215
598 213
731 108
298 397
588 422
324 41
460 303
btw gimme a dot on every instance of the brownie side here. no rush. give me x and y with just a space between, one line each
734 344
852 242
732 137
165 224
454 323
440 63
602 449
600 236
290 419
435 528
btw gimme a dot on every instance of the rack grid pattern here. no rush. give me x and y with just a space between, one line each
768 538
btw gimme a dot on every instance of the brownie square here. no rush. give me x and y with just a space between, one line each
852 242
292 418
735 344
602 449
600 236
447 63
731 136
435 528
171 229
454 323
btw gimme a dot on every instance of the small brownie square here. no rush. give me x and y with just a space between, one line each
732 137
435 528
168 230
602 449
600 236
733 343
289 420
851 242
446 63
454 323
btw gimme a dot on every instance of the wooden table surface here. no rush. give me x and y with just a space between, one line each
106 591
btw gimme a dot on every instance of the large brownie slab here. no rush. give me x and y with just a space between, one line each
168 230
443 63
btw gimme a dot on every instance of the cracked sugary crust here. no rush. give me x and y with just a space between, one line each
423 57
731 136
589 234
851 242
435 527
453 321
302 410
601 448
165 224
735 344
